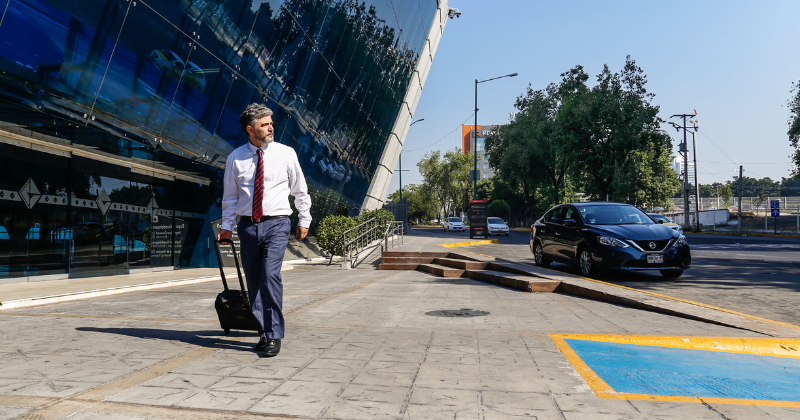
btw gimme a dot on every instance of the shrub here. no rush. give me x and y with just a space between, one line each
330 233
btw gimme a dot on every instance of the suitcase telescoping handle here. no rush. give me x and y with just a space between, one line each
217 243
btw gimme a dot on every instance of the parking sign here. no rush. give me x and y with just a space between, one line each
775 206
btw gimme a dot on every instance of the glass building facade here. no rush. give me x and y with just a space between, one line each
116 117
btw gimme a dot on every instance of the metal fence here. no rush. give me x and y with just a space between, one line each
789 205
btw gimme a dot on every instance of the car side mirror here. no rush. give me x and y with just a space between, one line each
570 223
660 222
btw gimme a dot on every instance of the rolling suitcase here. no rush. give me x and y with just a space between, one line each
233 306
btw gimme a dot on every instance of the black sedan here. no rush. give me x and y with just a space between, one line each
608 236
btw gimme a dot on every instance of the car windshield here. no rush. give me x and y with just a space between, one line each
454 219
495 220
614 215
658 217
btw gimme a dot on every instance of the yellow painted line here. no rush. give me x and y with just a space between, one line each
483 242
603 390
677 299
598 385
778 347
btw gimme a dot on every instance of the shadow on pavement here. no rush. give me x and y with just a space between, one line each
200 338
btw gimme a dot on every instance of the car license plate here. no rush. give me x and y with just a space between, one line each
655 259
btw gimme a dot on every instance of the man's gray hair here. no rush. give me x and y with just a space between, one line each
253 113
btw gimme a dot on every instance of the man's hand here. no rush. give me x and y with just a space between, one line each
301 233
224 234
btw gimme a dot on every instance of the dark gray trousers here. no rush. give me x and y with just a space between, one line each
263 245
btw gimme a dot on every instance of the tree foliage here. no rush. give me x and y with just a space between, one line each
794 127
499 208
422 205
603 140
447 179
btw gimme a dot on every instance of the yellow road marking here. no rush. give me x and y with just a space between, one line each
483 242
603 390
778 347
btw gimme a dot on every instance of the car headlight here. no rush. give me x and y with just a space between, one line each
607 240
680 241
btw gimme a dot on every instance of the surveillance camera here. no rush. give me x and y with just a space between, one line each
453 13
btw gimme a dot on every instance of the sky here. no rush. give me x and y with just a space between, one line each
733 61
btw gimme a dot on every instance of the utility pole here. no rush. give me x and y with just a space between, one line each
683 149
696 181
739 217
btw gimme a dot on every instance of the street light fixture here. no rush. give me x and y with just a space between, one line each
475 136
401 161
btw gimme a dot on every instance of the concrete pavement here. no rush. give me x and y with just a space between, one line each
359 345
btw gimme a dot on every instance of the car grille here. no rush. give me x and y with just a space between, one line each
645 245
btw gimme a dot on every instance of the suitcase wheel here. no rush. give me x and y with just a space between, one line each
227 331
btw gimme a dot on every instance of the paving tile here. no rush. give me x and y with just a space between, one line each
8 413
368 402
299 398
440 403
154 395
508 405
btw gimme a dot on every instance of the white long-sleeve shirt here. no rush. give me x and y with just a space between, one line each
282 177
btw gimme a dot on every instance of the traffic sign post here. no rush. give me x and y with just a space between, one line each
775 207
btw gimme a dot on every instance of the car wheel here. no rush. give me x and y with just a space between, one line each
586 263
538 256
671 274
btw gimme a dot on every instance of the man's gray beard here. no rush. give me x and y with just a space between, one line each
268 139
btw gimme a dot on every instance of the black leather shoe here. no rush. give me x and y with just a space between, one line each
262 344
273 347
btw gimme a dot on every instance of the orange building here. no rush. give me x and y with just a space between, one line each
466 147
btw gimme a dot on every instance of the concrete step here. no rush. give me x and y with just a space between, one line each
441 270
512 281
417 260
459 263
401 254
398 266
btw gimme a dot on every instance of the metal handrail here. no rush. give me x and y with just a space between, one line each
366 234
360 237
394 230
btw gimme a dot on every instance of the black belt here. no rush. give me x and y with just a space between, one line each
263 218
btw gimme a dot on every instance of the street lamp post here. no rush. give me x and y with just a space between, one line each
475 136
401 161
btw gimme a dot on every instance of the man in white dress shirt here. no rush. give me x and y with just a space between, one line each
259 177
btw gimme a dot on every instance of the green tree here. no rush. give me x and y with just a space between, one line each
794 127
499 208
528 152
485 188
726 193
612 131
421 203
447 179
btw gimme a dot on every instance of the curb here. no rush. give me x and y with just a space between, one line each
67 297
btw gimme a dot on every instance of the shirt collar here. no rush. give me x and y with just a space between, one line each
253 148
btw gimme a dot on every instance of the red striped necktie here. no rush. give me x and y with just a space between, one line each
258 188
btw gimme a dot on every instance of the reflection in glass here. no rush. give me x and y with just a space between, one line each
162 84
